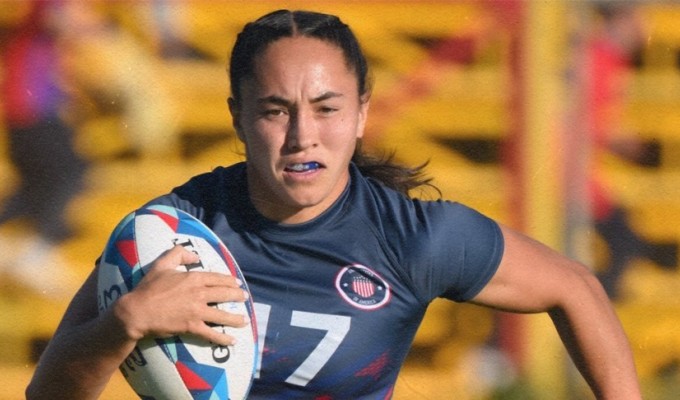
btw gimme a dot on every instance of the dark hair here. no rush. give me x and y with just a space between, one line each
257 35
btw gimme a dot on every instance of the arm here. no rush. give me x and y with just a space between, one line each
87 348
533 278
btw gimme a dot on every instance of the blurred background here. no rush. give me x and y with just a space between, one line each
560 118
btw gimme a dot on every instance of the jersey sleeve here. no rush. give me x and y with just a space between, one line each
200 195
174 199
450 250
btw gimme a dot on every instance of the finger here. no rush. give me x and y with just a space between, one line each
213 279
219 317
221 295
175 257
214 336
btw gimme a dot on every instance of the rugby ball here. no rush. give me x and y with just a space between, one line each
183 366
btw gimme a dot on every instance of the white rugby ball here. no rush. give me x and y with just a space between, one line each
183 366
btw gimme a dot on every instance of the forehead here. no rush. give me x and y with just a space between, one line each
301 47
302 60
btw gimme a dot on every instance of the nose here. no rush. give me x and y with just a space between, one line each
301 132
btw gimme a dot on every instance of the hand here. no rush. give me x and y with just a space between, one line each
168 302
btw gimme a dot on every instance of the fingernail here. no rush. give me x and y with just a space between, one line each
239 282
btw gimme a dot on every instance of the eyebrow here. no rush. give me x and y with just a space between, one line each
281 101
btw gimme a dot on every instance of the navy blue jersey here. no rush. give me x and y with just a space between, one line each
339 298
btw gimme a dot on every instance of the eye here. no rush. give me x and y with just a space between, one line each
273 112
326 110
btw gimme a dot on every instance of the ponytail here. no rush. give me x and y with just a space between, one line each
392 174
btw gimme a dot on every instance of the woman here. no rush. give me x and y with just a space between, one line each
305 212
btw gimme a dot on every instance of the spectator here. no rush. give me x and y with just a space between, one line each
610 56
41 148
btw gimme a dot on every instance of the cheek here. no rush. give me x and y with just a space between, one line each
261 146
345 132
262 137
341 142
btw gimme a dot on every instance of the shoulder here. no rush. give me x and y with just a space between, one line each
425 225
443 247
372 194
219 179
393 209
208 192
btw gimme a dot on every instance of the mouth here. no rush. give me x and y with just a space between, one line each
303 167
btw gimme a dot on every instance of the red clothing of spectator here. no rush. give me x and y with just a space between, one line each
608 74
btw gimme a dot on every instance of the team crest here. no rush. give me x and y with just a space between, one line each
361 287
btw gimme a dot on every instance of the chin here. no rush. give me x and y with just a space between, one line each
303 201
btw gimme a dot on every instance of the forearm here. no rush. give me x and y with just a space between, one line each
80 360
535 278
595 339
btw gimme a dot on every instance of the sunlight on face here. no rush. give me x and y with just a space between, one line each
300 118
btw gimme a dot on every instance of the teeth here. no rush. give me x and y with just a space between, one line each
304 166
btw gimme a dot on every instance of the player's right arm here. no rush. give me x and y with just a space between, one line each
88 348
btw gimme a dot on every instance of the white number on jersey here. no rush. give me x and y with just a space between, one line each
336 327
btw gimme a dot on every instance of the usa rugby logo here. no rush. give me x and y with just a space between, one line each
362 287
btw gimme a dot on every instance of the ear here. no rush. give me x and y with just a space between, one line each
235 111
363 115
